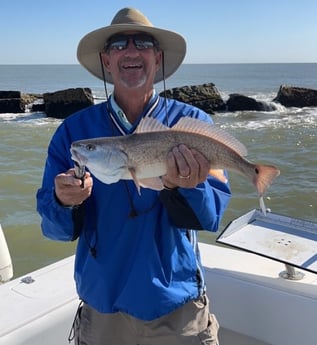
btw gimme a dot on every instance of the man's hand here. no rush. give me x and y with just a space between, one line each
187 168
68 188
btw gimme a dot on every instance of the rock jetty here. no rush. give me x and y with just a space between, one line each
62 103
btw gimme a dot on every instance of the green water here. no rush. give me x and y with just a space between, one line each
287 140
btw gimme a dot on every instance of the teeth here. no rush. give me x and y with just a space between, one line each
132 66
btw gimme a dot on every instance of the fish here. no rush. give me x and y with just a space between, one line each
142 155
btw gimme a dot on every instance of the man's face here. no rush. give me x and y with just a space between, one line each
132 59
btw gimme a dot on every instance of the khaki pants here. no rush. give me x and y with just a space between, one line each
190 324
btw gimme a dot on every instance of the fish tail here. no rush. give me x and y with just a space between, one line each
264 176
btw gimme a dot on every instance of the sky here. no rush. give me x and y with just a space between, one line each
216 31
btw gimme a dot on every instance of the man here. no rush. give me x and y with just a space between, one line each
137 268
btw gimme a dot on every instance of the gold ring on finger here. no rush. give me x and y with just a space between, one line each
184 177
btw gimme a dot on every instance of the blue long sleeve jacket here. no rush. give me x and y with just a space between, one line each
136 254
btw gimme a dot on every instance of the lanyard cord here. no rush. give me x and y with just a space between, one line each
134 213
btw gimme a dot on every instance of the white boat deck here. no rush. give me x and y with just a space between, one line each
27 308
249 297
253 304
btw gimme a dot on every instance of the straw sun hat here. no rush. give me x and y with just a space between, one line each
129 19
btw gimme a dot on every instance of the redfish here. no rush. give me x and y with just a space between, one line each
141 156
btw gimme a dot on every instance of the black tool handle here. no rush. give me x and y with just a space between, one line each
80 173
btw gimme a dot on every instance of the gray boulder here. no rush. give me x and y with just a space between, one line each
63 103
291 96
11 102
238 102
205 96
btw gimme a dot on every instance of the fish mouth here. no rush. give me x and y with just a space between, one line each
77 157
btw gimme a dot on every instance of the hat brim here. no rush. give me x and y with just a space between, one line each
89 47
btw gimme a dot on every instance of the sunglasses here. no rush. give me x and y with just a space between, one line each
121 42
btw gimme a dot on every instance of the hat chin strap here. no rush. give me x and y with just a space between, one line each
103 76
163 78
164 88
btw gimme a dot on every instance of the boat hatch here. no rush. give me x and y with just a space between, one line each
288 240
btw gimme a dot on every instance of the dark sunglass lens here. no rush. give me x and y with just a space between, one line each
118 45
140 42
143 44
117 42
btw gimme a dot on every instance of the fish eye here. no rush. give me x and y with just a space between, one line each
90 147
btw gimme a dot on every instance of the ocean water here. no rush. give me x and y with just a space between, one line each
286 137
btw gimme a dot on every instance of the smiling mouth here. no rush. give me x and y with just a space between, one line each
132 66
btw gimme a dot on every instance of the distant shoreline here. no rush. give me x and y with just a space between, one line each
185 63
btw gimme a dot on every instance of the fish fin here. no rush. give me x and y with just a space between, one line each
218 174
154 183
148 124
191 125
264 176
135 179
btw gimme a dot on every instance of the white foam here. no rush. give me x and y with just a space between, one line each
32 119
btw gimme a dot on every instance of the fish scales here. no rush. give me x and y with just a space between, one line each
141 156
153 147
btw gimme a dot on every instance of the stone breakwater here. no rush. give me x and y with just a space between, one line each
59 104
208 98
62 103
